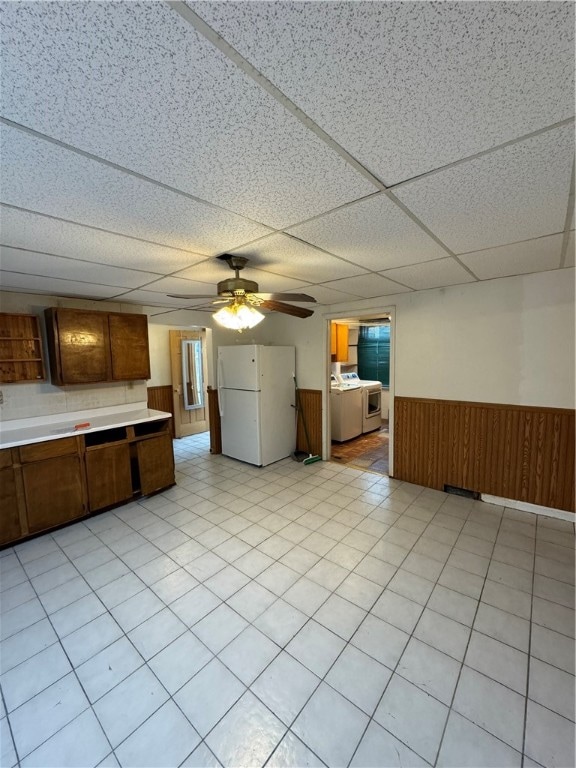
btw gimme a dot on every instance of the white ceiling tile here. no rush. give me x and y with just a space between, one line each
180 285
407 87
12 281
516 259
22 229
516 193
431 274
32 263
176 317
55 181
108 71
325 295
154 299
366 286
287 256
213 271
570 251
374 233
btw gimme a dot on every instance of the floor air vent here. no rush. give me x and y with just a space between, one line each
461 492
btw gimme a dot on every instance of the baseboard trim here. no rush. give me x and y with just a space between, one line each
524 506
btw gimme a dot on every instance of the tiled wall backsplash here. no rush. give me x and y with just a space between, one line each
21 401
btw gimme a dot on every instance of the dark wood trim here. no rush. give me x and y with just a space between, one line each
311 411
516 452
160 399
214 421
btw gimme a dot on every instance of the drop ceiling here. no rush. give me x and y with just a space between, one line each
349 149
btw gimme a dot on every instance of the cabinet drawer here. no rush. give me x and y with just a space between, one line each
48 450
5 458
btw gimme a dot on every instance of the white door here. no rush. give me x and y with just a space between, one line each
239 367
240 425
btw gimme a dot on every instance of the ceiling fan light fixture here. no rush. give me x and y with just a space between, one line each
238 316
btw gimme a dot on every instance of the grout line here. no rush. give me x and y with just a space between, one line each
529 661
272 533
466 652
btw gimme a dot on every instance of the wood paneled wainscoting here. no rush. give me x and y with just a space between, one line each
517 452
311 412
214 421
160 399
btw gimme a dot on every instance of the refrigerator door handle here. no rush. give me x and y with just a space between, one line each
220 374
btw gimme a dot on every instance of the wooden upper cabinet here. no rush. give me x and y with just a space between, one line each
339 342
130 358
87 347
78 345
21 355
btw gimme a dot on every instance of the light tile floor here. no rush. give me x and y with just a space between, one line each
290 616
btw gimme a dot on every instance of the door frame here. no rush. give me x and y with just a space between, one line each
359 314
202 332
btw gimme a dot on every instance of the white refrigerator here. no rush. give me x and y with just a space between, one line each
256 398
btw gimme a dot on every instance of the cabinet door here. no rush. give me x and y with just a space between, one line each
156 463
10 529
83 346
342 343
129 347
108 475
54 492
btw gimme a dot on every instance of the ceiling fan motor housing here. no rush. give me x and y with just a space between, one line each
236 284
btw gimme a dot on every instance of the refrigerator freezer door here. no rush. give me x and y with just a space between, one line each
239 367
277 405
241 425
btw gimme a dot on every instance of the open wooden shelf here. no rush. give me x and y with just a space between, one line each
21 356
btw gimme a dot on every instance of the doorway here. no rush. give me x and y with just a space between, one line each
360 421
188 367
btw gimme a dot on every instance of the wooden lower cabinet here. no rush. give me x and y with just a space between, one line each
44 485
155 463
54 492
108 475
10 527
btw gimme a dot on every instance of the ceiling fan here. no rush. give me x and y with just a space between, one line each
236 290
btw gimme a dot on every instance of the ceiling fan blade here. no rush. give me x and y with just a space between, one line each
285 297
287 309
191 296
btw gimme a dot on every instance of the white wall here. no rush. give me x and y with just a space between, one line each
507 341
39 399
500 341
307 336
183 320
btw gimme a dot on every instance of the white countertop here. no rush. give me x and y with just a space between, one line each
41 428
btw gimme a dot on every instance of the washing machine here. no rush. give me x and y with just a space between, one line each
371 399
346 411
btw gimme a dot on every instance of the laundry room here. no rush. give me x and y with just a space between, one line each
360 381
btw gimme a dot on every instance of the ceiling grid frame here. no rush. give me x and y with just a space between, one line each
381 189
